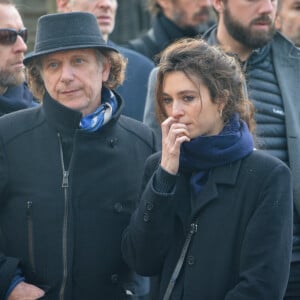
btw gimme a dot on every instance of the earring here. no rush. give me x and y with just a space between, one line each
221 113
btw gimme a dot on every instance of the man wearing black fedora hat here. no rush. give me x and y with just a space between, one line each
70 170
134 88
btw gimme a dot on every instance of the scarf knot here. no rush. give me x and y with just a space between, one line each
102 114
203 153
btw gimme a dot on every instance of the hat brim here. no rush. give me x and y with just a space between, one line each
32 55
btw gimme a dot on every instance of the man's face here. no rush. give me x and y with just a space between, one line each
11 62
288 20
74 78
249 22
186 13
104 11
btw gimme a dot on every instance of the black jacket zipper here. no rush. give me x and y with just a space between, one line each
65 186
30 235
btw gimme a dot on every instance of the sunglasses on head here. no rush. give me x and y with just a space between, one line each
9 36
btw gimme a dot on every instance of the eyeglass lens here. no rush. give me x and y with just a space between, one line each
9 36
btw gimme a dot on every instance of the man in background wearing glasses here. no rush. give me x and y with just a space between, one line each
14 93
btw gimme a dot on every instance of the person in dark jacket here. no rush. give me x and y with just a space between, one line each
134 88
14 92
215 217
172 20
70 170
272 67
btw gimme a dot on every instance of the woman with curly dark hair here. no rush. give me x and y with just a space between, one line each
215 217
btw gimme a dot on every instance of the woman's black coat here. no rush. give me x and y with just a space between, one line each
242 246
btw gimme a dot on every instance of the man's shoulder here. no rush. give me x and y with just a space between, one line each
133 125
20 115
146 44
135 56
136 129
18 122
261 160
280 38
282 45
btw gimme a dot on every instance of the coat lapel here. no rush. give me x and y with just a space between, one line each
182 198
225 175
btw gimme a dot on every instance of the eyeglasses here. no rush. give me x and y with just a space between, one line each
9 36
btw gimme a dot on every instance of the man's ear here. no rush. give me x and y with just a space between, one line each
106 70
218 5
63 5
163 3
278 23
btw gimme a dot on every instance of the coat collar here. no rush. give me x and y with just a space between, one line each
225 175
67 120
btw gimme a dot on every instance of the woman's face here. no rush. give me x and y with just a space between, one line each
191 105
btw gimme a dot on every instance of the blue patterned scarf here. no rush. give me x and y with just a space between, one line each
203 153
103 114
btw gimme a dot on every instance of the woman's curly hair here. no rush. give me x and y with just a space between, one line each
221 73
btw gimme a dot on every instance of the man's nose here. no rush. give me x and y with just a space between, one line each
205 3
20 45
266 7
67 74
106 3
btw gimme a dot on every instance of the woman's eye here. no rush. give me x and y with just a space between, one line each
166 100
188 98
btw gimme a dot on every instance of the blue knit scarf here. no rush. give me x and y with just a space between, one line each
203 153
103 114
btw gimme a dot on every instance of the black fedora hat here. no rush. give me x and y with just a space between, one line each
67 31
